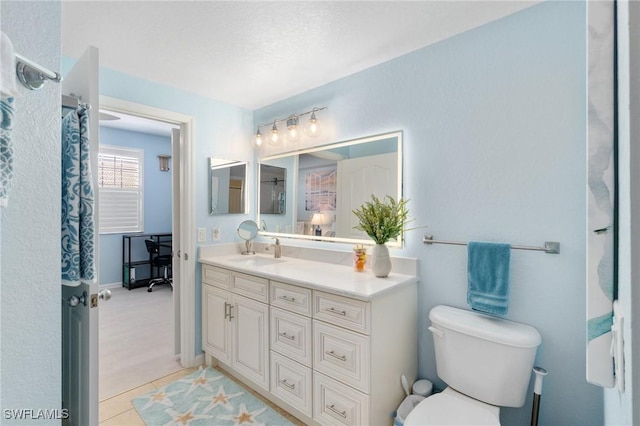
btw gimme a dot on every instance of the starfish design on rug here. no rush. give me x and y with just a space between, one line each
160 397
244 417
184 418
201 381
221 398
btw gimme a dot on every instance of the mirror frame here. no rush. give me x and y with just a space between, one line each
224 164
397 134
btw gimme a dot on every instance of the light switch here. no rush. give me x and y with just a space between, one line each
202 235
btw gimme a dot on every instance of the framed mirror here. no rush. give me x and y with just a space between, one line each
324 184
227 186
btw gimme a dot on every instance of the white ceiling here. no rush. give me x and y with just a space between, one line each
254 53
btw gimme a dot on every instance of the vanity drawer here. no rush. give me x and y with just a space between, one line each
337 404
342 311
292 298
253 287
216 276
291 335
291 382
342 354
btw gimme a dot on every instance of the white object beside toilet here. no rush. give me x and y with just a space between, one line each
486 363
422 387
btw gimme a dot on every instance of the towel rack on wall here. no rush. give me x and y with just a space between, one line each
550 247
32 75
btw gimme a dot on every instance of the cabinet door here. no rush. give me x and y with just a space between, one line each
251 339
216 327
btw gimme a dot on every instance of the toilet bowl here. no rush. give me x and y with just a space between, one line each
453 408
485 361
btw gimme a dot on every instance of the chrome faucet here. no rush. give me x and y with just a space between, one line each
277 249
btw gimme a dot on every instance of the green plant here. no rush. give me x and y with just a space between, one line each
382 220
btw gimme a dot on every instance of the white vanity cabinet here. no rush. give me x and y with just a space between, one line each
235 328
327 357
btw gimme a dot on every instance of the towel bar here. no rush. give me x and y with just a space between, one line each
32 75
550 247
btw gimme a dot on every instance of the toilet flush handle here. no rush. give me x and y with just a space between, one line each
436 331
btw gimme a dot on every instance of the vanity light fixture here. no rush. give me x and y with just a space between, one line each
258 140
293 128
293 133
275 134
313 128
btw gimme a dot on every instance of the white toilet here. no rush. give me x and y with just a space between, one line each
486 362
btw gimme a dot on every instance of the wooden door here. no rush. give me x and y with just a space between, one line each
80 322
251 339
358 179
216 326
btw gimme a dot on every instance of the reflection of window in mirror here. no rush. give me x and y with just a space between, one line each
273 195
227 190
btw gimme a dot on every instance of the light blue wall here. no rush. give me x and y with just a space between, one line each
30 309
157 199
495 143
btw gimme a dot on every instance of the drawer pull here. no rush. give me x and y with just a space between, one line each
335 311
286 336
332 407
290 386
287 299
333 354
230 312
227 312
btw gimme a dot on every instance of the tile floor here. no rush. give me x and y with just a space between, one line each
119 411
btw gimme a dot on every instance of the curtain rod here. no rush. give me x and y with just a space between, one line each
32 75
550 247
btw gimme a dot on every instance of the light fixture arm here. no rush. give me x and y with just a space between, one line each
284 119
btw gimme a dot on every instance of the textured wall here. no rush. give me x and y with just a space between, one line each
30 276
494 125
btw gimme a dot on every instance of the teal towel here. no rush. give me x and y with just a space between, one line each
488 274
77 233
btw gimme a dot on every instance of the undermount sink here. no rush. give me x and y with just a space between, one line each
252 260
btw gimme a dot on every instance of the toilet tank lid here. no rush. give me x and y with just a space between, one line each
485 326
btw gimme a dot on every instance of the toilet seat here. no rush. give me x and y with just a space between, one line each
452 408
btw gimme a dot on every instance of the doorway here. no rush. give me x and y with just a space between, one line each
143 310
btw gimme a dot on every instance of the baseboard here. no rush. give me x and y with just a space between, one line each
111 285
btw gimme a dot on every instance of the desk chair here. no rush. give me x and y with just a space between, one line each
159 261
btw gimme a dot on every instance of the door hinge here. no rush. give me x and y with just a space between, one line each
186 256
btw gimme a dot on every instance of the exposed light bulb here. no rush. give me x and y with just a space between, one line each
258 140
293 133
275 135
313 128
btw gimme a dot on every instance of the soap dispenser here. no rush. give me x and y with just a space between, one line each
277 249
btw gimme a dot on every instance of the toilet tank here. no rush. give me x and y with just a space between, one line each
484 357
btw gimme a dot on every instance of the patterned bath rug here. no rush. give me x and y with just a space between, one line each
205 397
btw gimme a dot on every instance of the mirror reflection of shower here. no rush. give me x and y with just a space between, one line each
273 186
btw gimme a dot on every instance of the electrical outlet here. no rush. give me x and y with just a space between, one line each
202 235
215 233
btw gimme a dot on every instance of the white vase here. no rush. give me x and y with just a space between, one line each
381 261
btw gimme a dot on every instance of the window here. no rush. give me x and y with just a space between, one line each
121 189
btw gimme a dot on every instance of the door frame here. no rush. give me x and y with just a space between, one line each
188 356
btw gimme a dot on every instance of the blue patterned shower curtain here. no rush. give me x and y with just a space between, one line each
78 228
6 149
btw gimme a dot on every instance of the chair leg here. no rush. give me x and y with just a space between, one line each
164 280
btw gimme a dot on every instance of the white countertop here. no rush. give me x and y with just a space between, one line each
338 279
